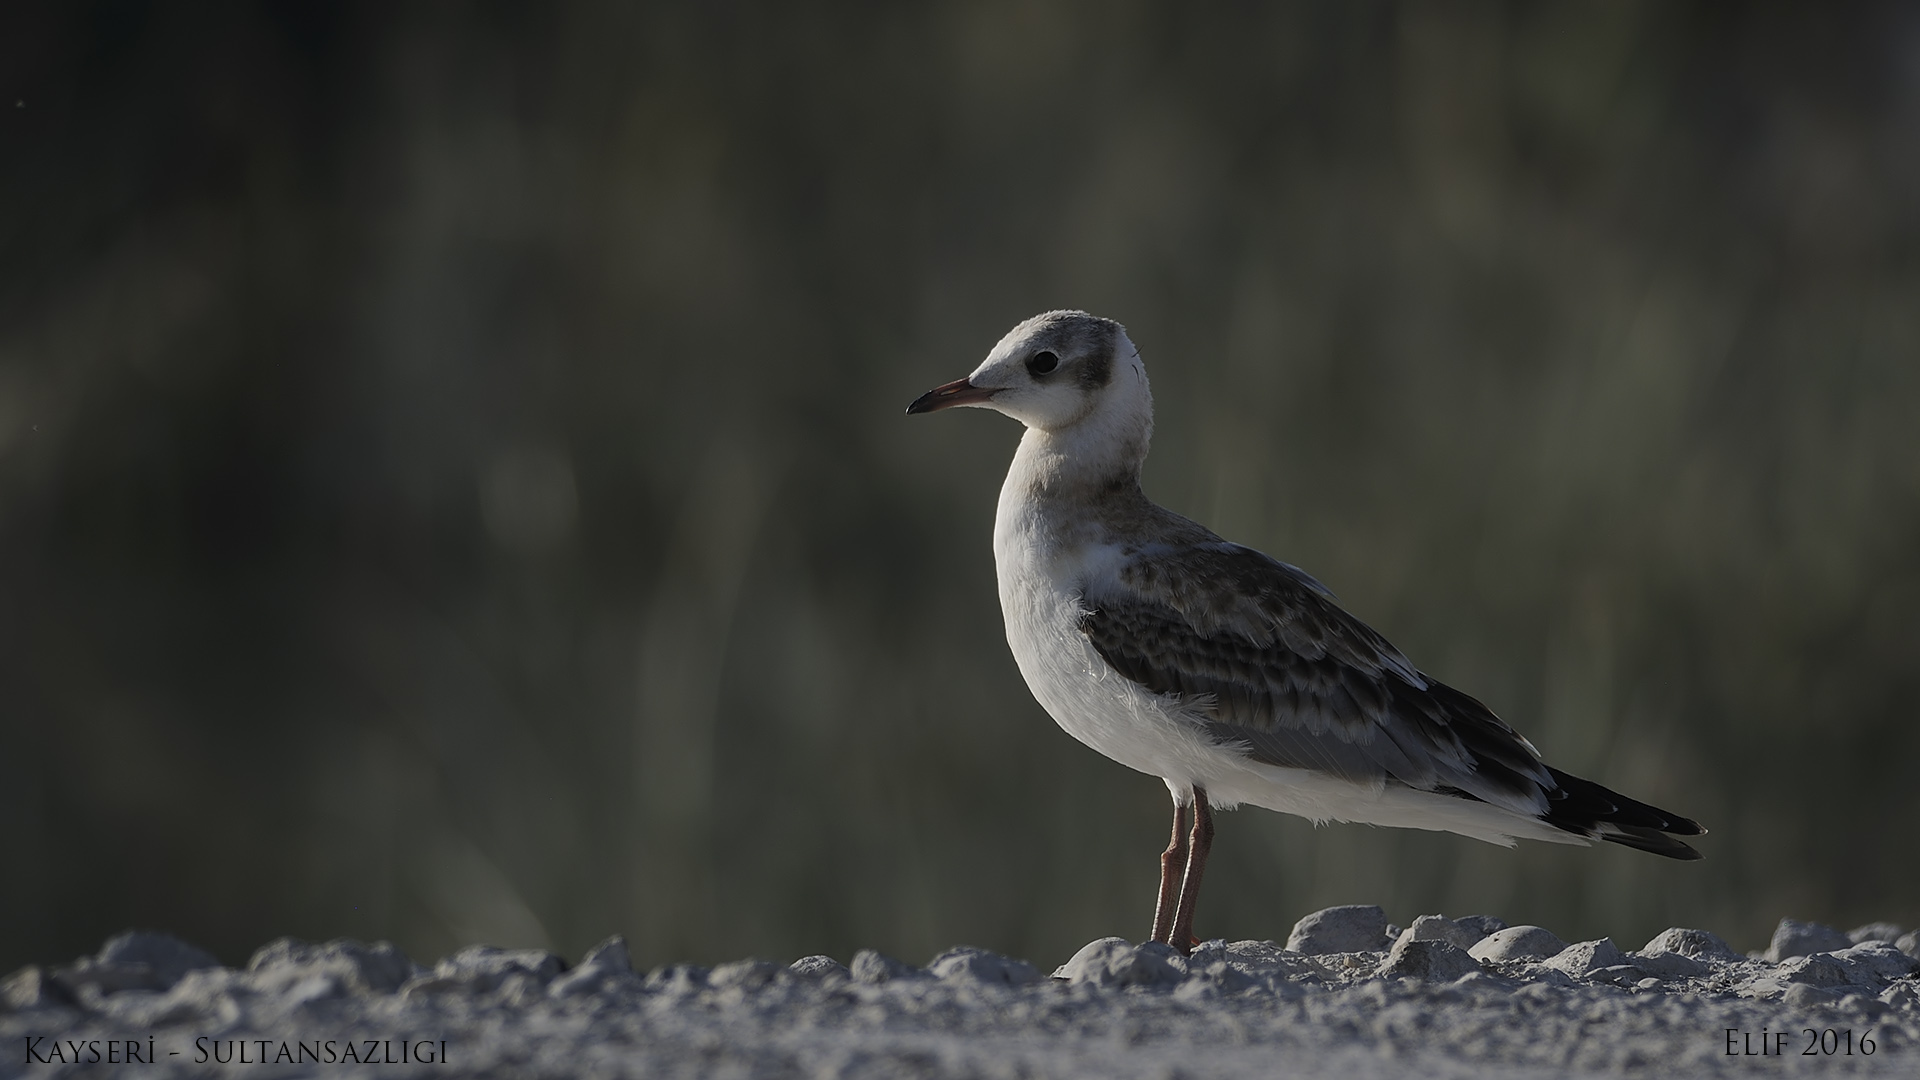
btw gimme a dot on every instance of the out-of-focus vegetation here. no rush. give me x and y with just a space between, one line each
453 482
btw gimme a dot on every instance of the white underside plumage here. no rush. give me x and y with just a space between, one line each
1044 578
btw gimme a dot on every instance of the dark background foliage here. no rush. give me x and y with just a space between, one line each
453 484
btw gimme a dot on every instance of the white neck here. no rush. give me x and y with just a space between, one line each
1104 448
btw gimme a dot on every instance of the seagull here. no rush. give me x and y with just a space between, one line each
1236 678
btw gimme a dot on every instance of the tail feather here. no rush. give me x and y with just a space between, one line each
1584 807
1652 840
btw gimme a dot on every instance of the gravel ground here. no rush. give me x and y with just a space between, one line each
1347 995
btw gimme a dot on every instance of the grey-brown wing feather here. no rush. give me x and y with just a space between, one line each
1274 664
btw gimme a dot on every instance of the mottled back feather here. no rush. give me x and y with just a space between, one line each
1262 652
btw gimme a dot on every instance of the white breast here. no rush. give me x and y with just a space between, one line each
1044 568
1043 579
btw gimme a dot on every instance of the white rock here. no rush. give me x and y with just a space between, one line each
1818 970
979 965
1875 931
481 969
1804 995
1348 928
1878 960
1117 962
606 966
1587 956
1432 960
378 967
819 966
167 956
1213 969
486 961
1698 944
1668 965
745 974
1795 938
1622 975
610 955
1517 943
1262 958
1481 925
870 966
1439 928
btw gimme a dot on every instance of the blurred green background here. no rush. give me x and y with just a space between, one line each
454 485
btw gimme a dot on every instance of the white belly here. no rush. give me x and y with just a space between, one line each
1088 699
1041 598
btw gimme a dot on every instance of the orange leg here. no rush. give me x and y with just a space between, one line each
1173 862
1198 845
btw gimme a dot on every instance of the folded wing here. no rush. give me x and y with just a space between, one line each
1262 652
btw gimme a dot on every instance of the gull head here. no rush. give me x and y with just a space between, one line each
1054 372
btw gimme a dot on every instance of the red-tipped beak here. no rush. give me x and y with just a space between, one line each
957 392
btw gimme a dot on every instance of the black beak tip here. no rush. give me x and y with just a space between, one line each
957 392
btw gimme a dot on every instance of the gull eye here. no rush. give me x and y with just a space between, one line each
1042 362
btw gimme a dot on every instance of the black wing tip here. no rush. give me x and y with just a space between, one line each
1685 827
1585 807
1652 841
